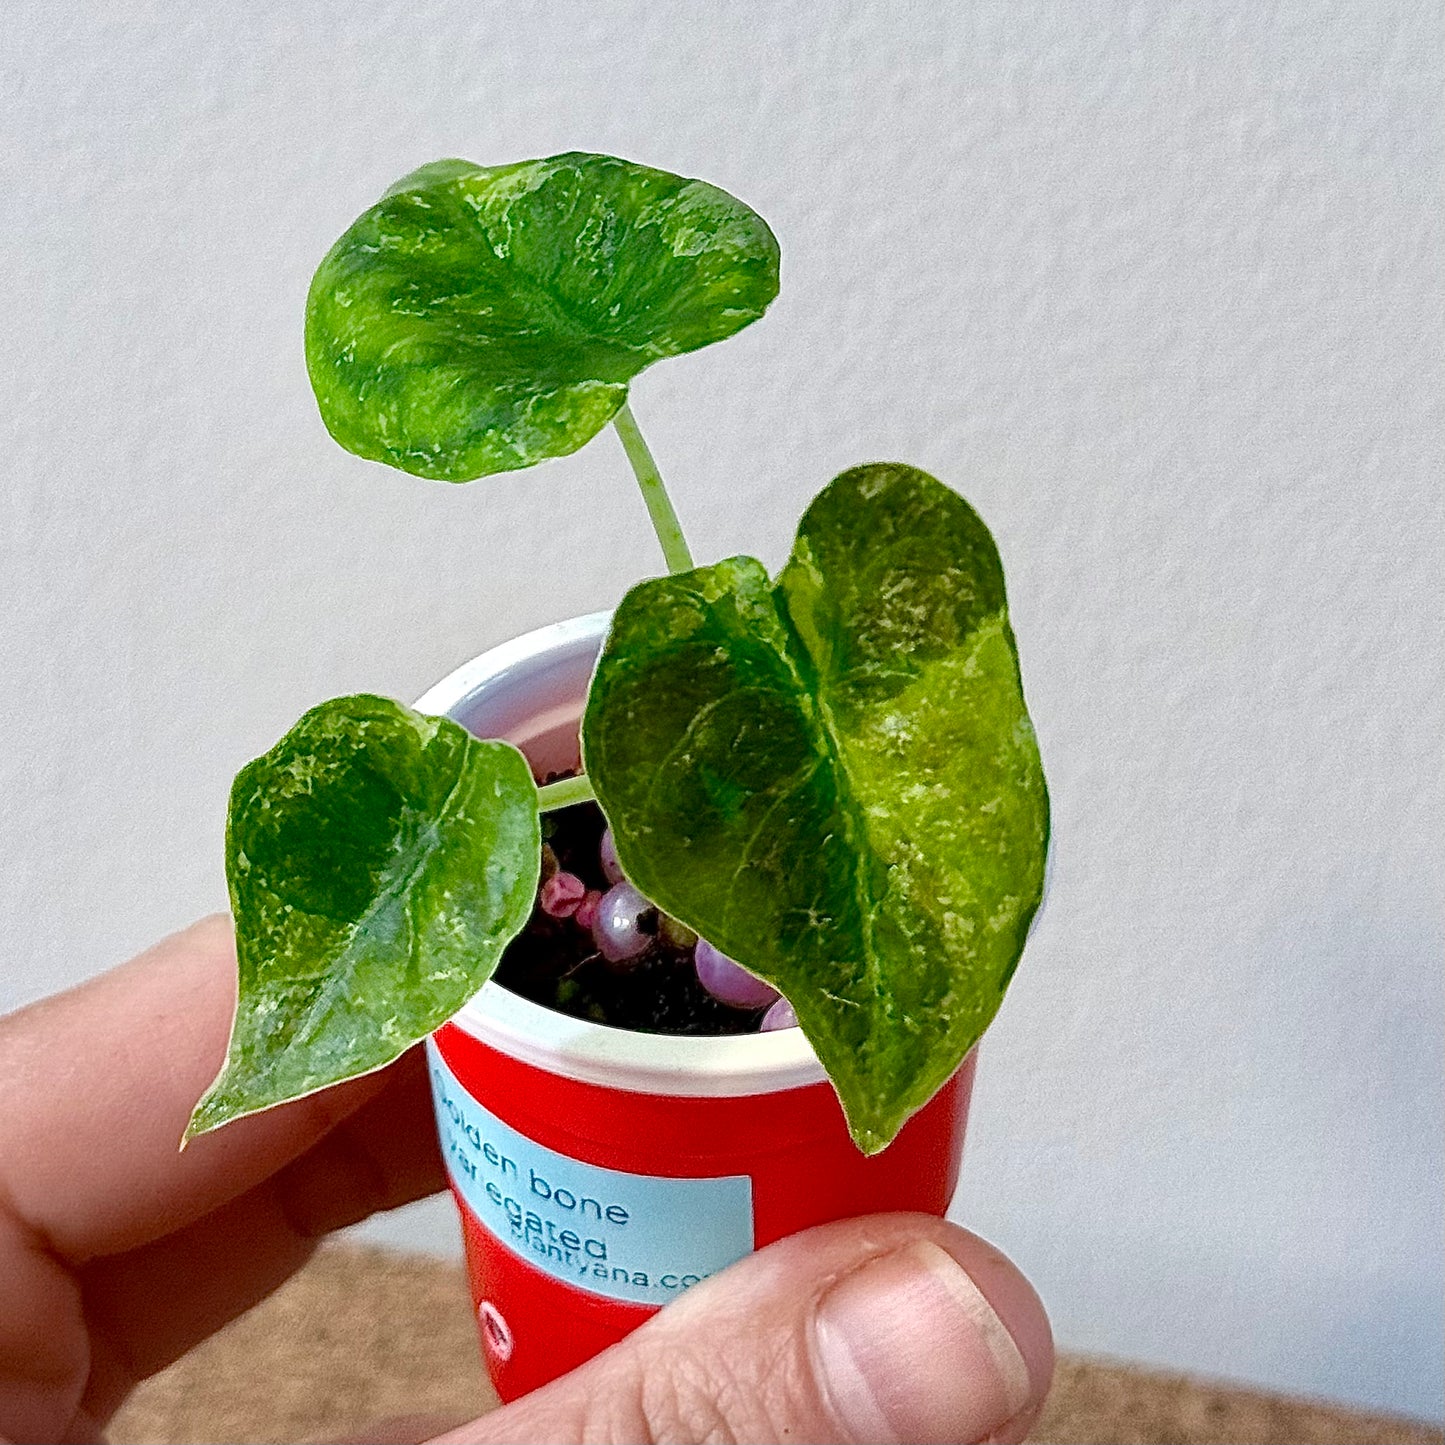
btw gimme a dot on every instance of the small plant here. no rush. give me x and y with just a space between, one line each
830 776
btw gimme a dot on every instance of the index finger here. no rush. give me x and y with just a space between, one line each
118 1251
100 1081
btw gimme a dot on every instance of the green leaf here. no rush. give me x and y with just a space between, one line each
379 861
834 779
479 319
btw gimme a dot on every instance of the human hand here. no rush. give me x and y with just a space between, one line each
118 1253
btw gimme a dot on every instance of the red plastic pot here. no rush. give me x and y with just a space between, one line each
599 1172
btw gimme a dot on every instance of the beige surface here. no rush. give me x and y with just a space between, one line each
361 1335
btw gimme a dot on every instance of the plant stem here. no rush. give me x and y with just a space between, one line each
654 493
565 792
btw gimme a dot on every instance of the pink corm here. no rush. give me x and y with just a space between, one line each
562 894
586 914
780 1016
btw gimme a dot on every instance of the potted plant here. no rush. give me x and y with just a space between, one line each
826 781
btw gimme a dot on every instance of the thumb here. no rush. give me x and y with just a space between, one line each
897 1327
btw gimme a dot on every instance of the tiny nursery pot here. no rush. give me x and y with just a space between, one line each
600 1172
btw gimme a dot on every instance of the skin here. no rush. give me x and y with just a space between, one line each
118 1252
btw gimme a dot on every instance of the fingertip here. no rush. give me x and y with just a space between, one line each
934 1336
1012 1298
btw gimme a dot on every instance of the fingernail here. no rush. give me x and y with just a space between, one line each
911 1350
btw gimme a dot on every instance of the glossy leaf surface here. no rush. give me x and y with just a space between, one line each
480 319
378 861
835 780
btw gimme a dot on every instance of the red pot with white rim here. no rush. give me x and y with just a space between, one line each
599 1172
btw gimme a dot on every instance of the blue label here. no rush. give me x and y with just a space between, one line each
635 1237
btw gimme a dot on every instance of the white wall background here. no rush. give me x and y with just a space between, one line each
1156 285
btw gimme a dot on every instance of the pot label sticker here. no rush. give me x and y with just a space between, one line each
634 1237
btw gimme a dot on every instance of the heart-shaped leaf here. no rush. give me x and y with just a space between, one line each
479 319
379 861
834 778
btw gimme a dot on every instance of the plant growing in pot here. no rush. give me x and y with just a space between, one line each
813 798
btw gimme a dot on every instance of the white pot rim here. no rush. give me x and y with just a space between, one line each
671 1064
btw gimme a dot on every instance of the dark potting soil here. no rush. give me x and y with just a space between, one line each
555 963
